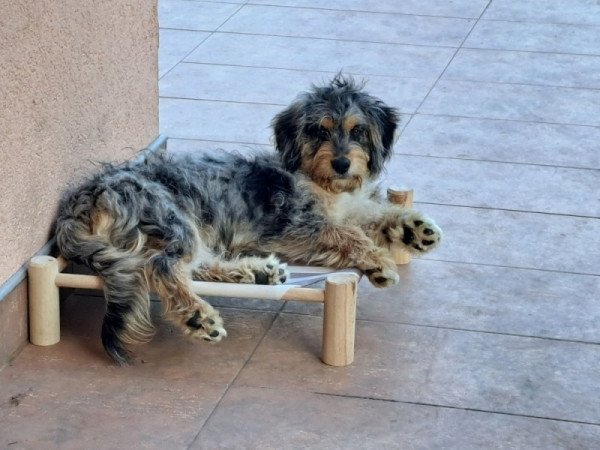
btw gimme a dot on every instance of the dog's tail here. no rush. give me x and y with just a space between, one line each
89 230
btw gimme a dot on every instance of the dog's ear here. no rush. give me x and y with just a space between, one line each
384 121
286 128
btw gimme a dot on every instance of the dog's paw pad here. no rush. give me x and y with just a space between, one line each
420 235
382 277
208 327
273 272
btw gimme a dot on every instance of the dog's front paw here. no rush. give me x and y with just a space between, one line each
258 270
272 271
418 233
207 325
383 276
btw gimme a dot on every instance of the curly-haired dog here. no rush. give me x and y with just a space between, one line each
159 222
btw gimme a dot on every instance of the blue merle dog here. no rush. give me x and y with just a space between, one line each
157 223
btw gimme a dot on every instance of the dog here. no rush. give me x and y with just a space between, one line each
159 222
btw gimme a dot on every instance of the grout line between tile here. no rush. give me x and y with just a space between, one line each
214 140
176 64
202 42
416 155
471 330
519 163
215 1
403 124
522 211
294 69
441 16
508 120
513 83
340 40
276 314
406 402
462 330
568 272
310 37
239 102
516 50
361 11
199 30
462 46
497 161
451 59
529 21
410 118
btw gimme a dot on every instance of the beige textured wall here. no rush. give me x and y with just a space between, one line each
78 83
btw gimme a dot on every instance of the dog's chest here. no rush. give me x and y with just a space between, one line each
350 207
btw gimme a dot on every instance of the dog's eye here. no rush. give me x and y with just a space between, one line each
358 132
323 133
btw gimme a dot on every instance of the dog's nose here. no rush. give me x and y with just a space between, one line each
341 165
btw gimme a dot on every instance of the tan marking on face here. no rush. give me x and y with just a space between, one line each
321 172
327 122
359 162
339 185
351 121
319 165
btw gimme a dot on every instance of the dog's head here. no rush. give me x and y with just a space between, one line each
337 135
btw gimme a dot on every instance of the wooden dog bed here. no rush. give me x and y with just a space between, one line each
338 296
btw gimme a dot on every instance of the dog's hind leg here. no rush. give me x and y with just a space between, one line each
171 278
244 269
127 319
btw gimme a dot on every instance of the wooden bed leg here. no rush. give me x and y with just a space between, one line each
401 197
44 312
339 320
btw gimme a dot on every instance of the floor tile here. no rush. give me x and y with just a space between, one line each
545 37
218 121
348 25
514 102
501 140
516 239
214 82
175 45
498 185
66 410
557 11
324 55
194 15
525 67
509 374
482 298
271 418
169 356
466 9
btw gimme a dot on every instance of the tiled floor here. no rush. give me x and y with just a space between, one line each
491 342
